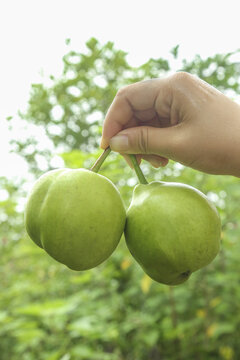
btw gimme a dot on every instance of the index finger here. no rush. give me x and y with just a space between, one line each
133 99
118 115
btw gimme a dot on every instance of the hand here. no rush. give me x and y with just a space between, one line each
179 117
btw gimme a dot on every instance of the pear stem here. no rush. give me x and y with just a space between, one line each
138 170
96 166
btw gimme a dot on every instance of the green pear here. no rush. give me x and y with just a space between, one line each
172 230
77 216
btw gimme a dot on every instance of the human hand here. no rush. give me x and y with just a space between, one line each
179 117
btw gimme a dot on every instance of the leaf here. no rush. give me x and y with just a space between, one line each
48 308
226 352
146 284
125 264
211 330
215 302
201 313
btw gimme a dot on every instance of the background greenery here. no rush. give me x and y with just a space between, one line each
114 311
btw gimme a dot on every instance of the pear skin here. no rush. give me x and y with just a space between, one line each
172 230
77 216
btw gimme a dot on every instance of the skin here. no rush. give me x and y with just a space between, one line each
172 230
76 215
179 117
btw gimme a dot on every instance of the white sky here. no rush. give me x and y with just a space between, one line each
33 33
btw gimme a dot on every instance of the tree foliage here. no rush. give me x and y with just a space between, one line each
114 311
69 112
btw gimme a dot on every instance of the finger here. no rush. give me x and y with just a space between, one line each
133 99
155 161
118 115
128 160
148 140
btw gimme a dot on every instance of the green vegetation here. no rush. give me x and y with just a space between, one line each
115 311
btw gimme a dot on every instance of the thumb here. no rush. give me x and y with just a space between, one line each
146 140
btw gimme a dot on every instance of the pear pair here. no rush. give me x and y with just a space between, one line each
78 217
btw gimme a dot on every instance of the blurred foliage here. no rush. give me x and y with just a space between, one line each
115 311
65 114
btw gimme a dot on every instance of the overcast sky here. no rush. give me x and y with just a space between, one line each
33 33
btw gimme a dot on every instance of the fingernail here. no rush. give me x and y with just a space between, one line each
103 144
119 143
